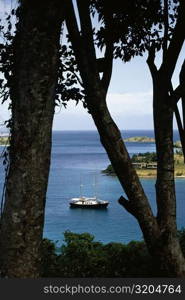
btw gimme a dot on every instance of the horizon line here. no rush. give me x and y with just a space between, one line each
150 129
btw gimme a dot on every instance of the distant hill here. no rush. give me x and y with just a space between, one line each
177 144
140 139
146 139
4 140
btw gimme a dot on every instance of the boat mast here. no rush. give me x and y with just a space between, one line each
95 186
81 186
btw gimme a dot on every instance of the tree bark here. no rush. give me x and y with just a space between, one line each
35 46
179 93
182 82
168 249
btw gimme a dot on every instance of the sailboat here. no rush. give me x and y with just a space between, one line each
88 202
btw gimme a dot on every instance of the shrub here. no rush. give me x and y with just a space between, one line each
49 259
181 234
81 256
179 174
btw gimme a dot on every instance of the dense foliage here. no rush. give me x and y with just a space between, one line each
81 256
146 157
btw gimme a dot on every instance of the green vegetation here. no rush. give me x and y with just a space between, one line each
142 161
109 170
146 139
81 256
4 140
140 139
177 144
146 157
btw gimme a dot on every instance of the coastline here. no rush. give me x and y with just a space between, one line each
139 139
153 176
145 176
145 164
4 140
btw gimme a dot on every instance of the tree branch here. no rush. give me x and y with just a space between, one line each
175 46
75 37
182 82
178 119
87 37
181 130
166 27
108 60
127 205
71 22
74 73
179 92
151 61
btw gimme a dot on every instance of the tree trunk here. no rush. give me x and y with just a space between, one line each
110 136
32 92
168 251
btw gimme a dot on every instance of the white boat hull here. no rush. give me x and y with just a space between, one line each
85 202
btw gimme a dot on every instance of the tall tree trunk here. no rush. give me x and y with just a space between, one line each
33 96
110 136
168 251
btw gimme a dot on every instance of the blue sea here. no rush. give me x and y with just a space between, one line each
78 157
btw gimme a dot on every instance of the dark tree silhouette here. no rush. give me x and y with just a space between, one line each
138 33
35 51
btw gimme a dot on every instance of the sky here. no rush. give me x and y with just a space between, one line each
129 99
129 96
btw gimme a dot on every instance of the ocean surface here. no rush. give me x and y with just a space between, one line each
78 157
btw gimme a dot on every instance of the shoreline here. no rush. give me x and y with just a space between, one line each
145 176
152 176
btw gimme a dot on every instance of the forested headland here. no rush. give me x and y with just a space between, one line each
146 165
4 140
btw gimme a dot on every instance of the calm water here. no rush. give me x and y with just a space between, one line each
79 154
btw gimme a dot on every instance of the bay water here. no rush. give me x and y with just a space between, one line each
79 158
